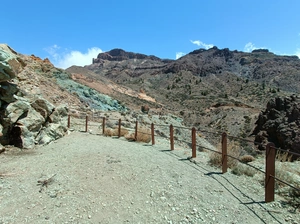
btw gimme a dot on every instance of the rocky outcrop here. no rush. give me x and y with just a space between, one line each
26 120
280 124
10 64
120 55
260 65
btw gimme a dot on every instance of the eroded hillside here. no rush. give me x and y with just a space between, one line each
215 88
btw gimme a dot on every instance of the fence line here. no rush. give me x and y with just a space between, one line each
270 151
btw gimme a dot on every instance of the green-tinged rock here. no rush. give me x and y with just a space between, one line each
27 138
9 63
15 110
90 97
7 91
33 121
50 133
59 115
44 107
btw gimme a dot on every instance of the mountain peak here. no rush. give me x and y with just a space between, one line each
118 54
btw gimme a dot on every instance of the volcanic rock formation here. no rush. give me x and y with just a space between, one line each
280 124
26 119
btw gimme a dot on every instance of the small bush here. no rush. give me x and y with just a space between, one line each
295 196
246 159
109 132
145 109
143 135
233 149
283 156
115 132
123 132
241 169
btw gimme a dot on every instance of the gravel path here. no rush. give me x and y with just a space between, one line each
84 178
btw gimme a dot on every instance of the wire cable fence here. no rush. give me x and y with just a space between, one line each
145 132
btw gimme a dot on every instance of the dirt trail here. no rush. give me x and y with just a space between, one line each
86 178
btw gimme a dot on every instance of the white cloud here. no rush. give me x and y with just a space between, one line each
53 51
201 44
179 54
67 58
298 53
249 47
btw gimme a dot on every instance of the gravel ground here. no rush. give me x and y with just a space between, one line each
85 178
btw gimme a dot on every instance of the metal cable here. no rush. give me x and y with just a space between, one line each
282 181
283 150
254 167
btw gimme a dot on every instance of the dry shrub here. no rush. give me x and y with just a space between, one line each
242 169
115 132
283 156
287 175
283 174
145 109
109 132
143 135
295 196
130 136
247 159
233 149
123 131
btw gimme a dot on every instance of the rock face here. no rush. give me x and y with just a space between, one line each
259 65
280 124
120 55
10 64
25 120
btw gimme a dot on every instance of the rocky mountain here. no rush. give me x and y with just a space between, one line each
120 55
216 88
260 65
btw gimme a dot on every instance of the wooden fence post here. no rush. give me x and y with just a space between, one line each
270 172
152 134
193 142
172 137
136 130
103 125
69 121
119 129
86 123
224 153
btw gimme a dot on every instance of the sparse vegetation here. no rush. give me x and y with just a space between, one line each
242 169
143 135
283 156
247 159
115 132
294 195
109 132
233 149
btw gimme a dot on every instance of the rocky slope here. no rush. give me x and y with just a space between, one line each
26 119
215 88
36 98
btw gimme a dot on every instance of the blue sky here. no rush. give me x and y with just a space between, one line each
74 32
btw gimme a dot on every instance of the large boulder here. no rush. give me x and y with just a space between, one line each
14 111
56 127
35 122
